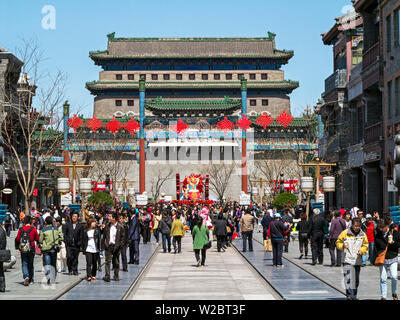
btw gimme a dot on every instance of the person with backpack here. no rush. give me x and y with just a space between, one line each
50 240
25 243
277 232
165 228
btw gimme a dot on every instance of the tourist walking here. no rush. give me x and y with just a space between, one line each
113 241
370 230
354 243
25 242
288 219
62 254
134 239
177 232
201 236
277 232
316 237
266 220
50 240
3 246
302 228
165 228
220 230
389 241
123 221
338 225
145 219
91 243
246 229
73 238
156 224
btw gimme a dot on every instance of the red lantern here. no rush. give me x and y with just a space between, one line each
284 119
94 124
75 122
180 127
243 123
132 126
225 125
264 120
113 125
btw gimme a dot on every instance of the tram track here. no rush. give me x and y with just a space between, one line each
307 271
125 294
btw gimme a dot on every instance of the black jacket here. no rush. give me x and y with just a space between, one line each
277 229
134 229
381 242
317 226
220 227
302 226
73 238
3 239
165 224
266 220
119 237
85 239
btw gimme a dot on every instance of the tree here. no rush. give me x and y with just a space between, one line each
31 135
160 177
220 176
100 198
285 199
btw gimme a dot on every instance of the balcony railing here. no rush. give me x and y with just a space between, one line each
371 55
337 80
373 133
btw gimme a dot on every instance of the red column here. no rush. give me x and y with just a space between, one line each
66 161
244 166
142 170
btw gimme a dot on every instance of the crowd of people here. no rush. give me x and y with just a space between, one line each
59 235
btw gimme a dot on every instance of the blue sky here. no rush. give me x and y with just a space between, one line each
82 26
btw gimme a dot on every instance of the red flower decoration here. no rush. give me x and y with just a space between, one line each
94 124
132 126
225 125
180 126
75 122
284 119
243 123
264 120
113 125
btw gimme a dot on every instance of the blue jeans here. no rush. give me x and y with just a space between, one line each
166 238
370 251
393 278
27 265
50 265
364 259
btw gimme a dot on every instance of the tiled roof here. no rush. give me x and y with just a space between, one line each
191 48
101 85
193 105
297 122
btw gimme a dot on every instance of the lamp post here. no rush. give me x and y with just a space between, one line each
125 189
259 191
281 183
306 184
85 187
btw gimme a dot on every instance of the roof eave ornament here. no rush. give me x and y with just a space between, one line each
111 36
272 36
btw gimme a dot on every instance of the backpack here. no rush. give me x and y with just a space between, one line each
25 241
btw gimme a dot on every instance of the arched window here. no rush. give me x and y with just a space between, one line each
119 114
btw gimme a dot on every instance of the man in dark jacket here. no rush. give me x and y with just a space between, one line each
134 239
266 220
220 231
316 235
165 228
338 224
113 241
73 238
124 223
288 219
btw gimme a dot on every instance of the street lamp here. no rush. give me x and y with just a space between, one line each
281 183
328 183
85 187
306 184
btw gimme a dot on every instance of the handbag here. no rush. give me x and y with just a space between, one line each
5 255
380 258
268 245
55 247
207 245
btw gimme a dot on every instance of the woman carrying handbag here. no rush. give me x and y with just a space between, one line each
387 244
201 241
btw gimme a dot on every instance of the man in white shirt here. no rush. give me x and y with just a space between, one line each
113 241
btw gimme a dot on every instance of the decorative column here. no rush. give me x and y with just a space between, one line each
66 129
243 85
142 168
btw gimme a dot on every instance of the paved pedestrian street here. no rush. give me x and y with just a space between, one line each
225 276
